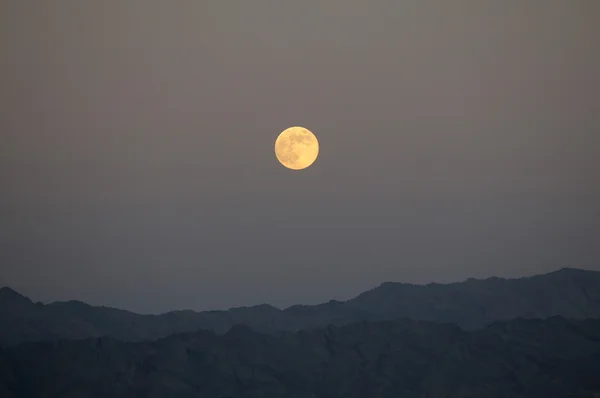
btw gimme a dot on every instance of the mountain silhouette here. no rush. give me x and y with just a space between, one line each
522 358
10 300
472 304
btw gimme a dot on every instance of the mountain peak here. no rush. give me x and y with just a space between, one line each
7 292
240 330
9 297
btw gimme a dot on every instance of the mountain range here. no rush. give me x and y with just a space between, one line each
554 357
472 304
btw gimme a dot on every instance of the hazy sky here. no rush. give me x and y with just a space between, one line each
458 139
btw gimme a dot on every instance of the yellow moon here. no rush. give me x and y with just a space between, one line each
296 148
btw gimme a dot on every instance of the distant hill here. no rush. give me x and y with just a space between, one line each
472 304
403 358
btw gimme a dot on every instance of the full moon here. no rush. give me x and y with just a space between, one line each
296 148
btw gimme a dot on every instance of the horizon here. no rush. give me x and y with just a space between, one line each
283 308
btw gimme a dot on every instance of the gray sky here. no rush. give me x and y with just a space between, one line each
458 139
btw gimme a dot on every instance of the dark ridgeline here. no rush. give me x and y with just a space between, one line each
403 358
477 338
570 293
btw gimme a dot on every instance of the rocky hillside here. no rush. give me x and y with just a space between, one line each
570 293
404 358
